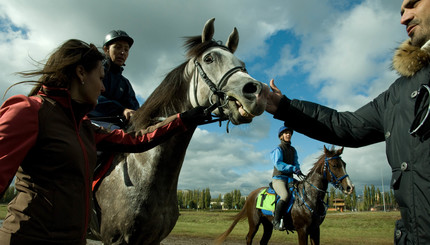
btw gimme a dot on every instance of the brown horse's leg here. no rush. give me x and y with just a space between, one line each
268 229
303 236
315 235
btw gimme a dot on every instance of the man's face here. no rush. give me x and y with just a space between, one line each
118 52
415 15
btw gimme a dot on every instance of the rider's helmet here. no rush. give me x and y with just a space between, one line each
115 35
284 128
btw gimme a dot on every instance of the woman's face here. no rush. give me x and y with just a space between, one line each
90 86
118 52
286 136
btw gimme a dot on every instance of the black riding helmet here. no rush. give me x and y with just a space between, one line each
115 35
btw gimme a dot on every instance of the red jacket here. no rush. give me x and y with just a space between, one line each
50 144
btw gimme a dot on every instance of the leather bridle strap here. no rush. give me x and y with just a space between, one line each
221 98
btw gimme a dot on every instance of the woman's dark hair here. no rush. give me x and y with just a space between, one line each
60 69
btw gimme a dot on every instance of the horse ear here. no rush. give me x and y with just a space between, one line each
233 40
340 150
208 30
325 150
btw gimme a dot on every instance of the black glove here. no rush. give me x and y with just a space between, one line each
195 116
298 172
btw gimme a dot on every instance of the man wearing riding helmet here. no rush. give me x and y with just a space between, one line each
285 161
119 99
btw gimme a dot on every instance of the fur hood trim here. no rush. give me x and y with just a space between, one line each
409 59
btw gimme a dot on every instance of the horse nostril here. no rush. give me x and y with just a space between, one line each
250 88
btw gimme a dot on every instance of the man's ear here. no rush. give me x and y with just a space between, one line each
106 49
80 73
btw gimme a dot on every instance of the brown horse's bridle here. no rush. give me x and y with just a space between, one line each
221 97
335 181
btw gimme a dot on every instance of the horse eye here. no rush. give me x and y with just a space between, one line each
208 59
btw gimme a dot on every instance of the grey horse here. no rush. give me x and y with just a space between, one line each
137 198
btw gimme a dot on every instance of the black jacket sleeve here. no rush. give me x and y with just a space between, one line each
352 129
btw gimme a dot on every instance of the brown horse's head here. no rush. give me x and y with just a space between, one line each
333 169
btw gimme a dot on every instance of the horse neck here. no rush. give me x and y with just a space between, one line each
315 182
164 161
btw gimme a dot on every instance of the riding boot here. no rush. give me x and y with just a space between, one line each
279 212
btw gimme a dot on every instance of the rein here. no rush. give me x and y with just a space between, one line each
221 97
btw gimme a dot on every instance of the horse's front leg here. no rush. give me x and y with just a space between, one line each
303 236
315 235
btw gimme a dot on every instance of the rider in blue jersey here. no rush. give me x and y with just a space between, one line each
285 161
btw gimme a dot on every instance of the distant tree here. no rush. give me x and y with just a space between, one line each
180 199
378 197
228 201
332 196
9 194
207 198
366 198
348 202
236 199
354 200
192 204
372 196
201 200
242 202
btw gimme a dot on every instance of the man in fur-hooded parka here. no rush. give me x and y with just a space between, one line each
389 117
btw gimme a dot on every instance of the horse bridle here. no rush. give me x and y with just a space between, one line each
221 97
333 180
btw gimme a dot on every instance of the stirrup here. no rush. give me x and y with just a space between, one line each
279 226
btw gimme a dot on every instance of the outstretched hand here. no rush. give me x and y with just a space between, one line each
273 99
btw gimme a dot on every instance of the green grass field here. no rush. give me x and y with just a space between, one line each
338 228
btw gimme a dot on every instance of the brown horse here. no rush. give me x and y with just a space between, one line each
308 211
137 198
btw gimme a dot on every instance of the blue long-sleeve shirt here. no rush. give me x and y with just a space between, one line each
287 169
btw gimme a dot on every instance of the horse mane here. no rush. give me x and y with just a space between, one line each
195 47
319 164
169 97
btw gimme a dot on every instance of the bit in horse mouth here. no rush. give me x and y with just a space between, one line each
242 110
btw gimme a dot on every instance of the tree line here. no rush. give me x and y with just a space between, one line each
371 199
201 199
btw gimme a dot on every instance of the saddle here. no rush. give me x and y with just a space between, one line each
267 199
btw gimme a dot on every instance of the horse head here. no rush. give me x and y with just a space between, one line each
334 170
218 79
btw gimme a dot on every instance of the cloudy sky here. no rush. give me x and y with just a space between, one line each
333 52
